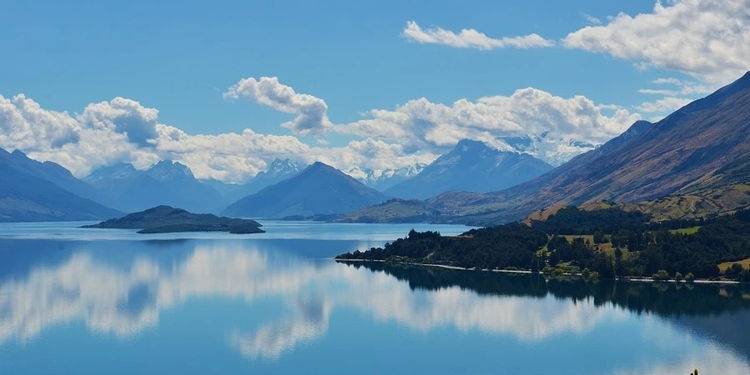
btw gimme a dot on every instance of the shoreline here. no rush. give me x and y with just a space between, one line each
528 272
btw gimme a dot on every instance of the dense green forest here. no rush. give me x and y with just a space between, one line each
604 243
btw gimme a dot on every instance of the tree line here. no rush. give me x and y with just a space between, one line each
604 243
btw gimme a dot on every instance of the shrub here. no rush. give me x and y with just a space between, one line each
661 275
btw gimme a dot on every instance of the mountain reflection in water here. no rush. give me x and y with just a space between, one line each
122 289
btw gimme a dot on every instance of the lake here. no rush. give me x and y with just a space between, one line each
99 301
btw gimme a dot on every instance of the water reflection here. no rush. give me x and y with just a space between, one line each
308 321
126 294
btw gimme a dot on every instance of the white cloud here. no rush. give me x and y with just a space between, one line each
310 111
591 19
470 38
558 127
664 105
227 156
665 92
124 116
310 321
79 143
683 87
667 81
26 125
123 130
707 39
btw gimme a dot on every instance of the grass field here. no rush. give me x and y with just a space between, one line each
688 230
745 263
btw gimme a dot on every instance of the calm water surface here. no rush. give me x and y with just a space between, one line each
76 301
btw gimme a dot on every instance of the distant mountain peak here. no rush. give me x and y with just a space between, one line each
467 145
283 165
745 78
18 153
319 189
319 166
168 169
382 179
470 143
470 166
638 127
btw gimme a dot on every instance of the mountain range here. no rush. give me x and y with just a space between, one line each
702 149
166 183
318 190
694 162
470 166
36 191
382 180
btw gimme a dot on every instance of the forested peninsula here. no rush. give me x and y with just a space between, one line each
602 243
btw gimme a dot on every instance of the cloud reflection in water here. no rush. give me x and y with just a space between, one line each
124 301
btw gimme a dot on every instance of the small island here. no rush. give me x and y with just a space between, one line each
167 219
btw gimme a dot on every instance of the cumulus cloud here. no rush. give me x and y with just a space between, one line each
26 125
310 112
124 116
707 39
123 130
470 38
79 143
556 128
415 133
231 157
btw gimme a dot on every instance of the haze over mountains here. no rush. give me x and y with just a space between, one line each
470 166
701 149
318 190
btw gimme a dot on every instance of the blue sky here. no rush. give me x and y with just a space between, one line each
180 57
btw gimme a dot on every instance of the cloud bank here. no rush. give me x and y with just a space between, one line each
551 127
414 133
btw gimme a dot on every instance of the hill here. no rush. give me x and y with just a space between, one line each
318 190
471 166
